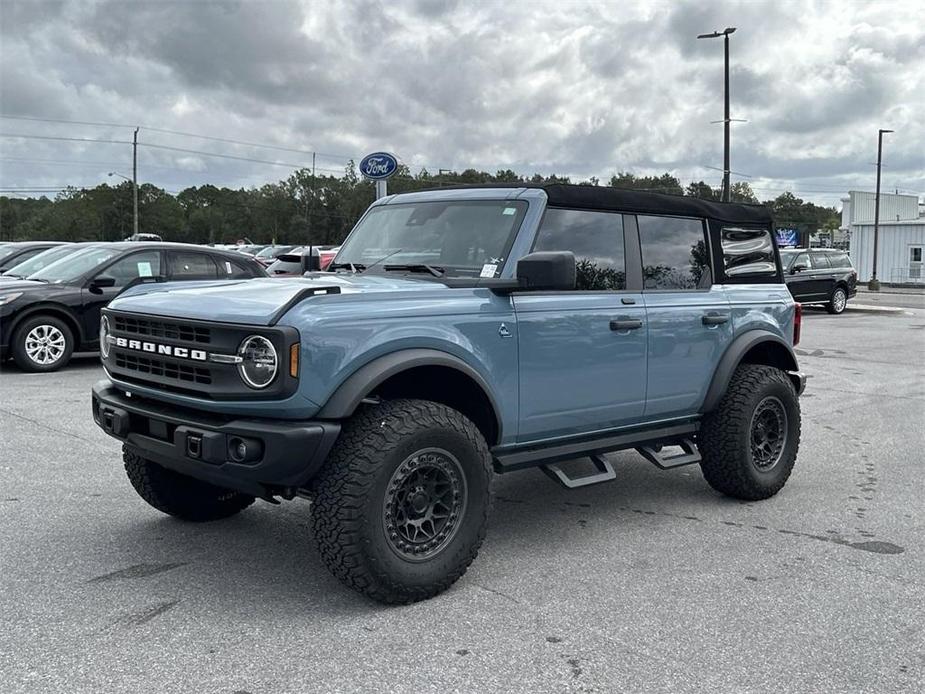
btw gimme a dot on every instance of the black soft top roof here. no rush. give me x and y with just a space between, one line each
625 200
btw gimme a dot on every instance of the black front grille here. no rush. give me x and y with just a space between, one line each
163 329
143 351
164 369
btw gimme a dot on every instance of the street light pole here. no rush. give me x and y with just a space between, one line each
726 120
874 284
135 180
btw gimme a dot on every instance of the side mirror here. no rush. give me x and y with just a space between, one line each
798 268
99 283
311 261
547 270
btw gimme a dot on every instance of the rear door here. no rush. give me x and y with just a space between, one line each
824 275
688 317
583 352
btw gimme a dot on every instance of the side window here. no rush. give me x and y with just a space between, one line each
131 267
674 252
820 261
191 266
803 259
748 252
596 239
842 260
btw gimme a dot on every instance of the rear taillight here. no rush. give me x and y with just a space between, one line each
797 323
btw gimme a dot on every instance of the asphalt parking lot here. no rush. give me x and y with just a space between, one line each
650 583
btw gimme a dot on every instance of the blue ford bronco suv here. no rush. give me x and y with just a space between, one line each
460 333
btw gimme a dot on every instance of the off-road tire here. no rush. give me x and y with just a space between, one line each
834 301
18 346
180 495
725 437
351 493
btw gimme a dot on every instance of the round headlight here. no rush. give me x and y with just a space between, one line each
259 361
104 337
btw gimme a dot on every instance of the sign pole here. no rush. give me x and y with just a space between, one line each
382 188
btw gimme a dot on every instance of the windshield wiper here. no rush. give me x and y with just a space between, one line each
435 270
353 267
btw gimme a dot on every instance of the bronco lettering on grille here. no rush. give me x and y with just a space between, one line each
153 347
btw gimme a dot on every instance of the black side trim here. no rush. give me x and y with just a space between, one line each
364 380
508 460
299 297
733 357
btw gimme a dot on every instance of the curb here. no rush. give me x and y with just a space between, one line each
874 309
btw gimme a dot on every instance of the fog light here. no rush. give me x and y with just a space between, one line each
242 450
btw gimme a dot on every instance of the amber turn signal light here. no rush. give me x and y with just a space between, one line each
294 360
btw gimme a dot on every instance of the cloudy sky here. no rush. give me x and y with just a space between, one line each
577 88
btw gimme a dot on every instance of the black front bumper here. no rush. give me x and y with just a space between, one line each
278 455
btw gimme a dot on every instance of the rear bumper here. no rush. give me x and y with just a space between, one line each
206 446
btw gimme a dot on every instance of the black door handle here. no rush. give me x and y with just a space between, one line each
626 324
714 319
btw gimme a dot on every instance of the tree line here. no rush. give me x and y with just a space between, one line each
304 208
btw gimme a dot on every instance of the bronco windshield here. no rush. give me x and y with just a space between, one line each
461 238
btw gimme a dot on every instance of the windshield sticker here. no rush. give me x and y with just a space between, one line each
488 270
510 210
144 270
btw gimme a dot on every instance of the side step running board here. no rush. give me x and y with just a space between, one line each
605 473
689 456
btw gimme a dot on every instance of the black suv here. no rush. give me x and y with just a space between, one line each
56 311
820 276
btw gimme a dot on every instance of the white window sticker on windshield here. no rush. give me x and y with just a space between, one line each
510 210
488 270
144 270
227 267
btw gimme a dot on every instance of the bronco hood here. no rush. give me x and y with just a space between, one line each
255 302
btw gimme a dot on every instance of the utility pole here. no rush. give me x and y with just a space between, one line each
874 284
135 180
726 120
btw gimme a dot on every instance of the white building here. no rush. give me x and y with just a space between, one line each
901 244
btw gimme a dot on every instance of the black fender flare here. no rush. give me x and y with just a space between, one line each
349 394
733 357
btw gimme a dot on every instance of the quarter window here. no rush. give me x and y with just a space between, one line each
748 252
596 239
674 253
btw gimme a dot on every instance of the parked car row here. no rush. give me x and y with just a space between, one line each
56 310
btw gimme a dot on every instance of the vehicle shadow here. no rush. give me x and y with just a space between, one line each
267 552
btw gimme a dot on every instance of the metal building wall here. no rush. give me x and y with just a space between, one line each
893 251
892 207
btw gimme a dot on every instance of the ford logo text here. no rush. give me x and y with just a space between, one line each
378 166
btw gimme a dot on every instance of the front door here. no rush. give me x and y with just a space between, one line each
122 271
915 264
582 353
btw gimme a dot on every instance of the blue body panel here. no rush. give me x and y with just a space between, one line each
553 363
576 374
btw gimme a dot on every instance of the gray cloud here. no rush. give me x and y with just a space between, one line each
571 88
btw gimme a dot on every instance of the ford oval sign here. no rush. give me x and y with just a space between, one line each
378 166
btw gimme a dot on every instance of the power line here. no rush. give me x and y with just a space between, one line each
66 139
179 132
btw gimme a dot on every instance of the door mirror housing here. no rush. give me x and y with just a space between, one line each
98 283
798 268
547 270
